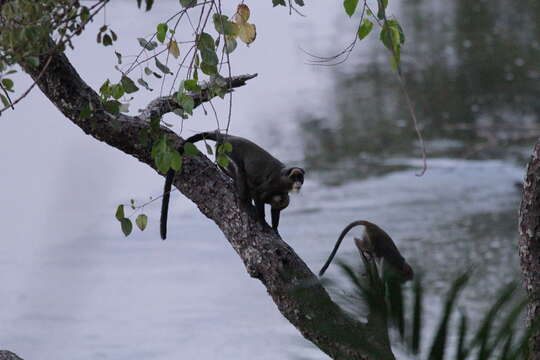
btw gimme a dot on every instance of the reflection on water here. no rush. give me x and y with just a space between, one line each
471 69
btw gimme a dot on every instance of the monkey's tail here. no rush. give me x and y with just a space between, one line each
207 135
339 240
210 135
165 203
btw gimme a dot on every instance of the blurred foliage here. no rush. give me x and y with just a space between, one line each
399 312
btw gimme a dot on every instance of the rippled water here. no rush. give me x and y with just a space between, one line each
74 288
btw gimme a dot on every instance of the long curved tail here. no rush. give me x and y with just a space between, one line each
165 203
207 135
339 240
210 135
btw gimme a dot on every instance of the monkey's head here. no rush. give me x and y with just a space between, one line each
295 176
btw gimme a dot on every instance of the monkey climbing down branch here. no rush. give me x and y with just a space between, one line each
258 176
378 244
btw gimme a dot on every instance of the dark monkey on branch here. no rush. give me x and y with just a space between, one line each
378 244
258 176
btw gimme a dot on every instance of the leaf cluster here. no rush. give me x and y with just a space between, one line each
496 337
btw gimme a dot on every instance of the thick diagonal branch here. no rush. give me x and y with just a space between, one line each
294 288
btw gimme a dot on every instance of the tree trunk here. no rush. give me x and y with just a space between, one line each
529 245
295 290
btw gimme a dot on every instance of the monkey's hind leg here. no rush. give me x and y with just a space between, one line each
240 180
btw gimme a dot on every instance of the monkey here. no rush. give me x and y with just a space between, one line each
259 177
378 244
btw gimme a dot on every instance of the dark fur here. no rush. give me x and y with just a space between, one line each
258 176
378 244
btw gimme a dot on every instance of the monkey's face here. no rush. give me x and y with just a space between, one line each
296 176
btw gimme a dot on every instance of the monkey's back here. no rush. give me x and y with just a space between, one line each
258 164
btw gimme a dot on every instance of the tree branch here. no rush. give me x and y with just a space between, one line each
295 290
8 355
167 104
529 244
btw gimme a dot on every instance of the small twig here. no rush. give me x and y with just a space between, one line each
13 103
416 127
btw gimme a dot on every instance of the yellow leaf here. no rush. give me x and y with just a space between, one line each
247 33
173 49
242 14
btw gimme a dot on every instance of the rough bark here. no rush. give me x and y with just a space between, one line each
295 290
8 355
529 244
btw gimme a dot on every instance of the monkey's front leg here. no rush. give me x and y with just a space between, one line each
259 208
275 219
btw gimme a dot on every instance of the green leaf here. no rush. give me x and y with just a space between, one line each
191 85
386 37
176 160
162 155
223 25
149 4
85 14
208 149
144 84
33 61
278 2
206 42
107 40
299 2
186 102
161 32
223 160
230 44
227 147
5 100
164 69
190 149
112 106
86 111
117 91
148 71
209 56
365 28
105 89
209 69
350 6
126 225
8 84
188 3
148 45
417 316
141 221
120 212
128 84
382 7
438 345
